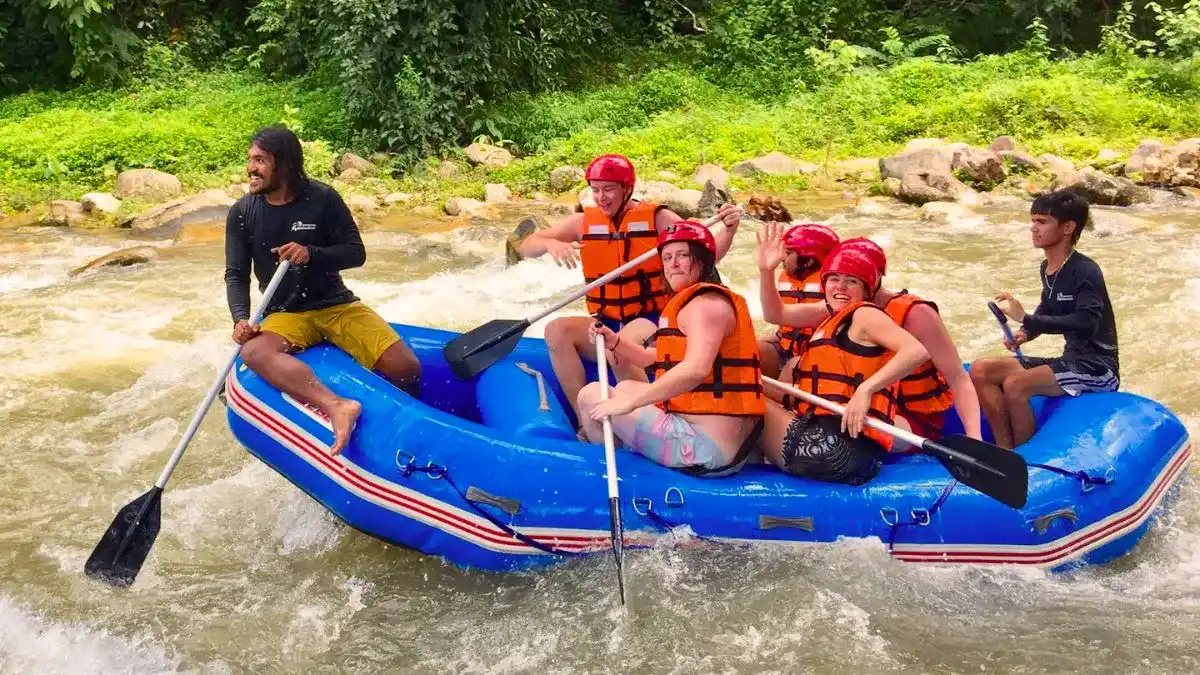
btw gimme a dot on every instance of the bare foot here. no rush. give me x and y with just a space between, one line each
343 415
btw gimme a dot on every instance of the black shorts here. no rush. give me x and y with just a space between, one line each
1079 374
815 447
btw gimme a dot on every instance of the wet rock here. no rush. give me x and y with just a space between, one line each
473 208
983 168
1020 161
394 198
1137 159
148 184
686 203
448 169
928 160
168 218
65 212
100 201
891 186
352 161
1099 188
496 192
350 176
919 187
487 156
525 228
710 172
1003 144
711 199
129 256
362 204
565 177
1187 192
945 212
1176 166
773 164
768 209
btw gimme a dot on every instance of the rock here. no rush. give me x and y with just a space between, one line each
448 169
710 172
397 198
1176 166
428 210
1115 169
100 201
558 209
1137 159
488 156
1003 144
1021 162
1106 156
147 183
127 256
353 161
496 192
65 212
655 191
350 176
768 209
925 159
525 228
891 186
170 217
668 175
1056 165
565 177
1099 188
919 187
585 198
774 164
712 198
945 212
686 203
873 206
856 170
917 144
983 168
1187 192
463 206
379 158
362 203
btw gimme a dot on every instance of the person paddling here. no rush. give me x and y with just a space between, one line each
289 216
1075 304
614 231
854 357
799 281
705 406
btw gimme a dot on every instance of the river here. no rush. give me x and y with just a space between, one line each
104 370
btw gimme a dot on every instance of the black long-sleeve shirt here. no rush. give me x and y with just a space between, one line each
318 219
1075 304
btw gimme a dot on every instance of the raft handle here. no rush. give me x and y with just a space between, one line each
921 517
509 506
1042 523
1109 476
673 503
799 522
543 402
890 516
638 502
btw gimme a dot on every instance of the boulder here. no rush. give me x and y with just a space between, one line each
686 203
487 156
126 256
1099 188
655 191
565 177
148 184
350 176
1115 169
945 212
1187 192
925 144
397 198
463 206
714 195
1176 166
710 172
925 159
1137 159
65 212
774 164
496 192
983 168
891 186
920 187
100 201
1021 162
362 204
353 161
1056 164
448 169
170 217
525 228
1003 144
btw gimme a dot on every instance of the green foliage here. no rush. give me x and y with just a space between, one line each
1179 30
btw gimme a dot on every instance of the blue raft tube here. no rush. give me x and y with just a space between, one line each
487 474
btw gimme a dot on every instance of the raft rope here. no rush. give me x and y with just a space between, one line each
1081 475
918 521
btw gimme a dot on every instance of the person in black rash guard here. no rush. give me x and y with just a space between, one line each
1074 304
288 216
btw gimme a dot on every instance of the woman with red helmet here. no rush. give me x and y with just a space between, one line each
605 236
806 247
854 357
704 409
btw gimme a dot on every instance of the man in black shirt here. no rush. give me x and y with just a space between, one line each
288 216
1074 304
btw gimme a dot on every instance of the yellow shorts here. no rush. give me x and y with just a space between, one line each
352 326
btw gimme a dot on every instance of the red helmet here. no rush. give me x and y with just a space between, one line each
616 168
687 230
871 249
811 240
854 262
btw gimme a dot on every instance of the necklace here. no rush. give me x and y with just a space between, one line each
1046 274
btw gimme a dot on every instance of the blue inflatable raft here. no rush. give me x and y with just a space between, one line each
487 474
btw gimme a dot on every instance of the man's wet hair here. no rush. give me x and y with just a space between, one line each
1062 206
284 147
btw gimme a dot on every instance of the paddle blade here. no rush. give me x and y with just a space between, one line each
119 556
998 473
471 353
618 542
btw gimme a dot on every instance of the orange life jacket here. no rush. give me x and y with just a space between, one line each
923 391
607 246
833 371
734 386
794 292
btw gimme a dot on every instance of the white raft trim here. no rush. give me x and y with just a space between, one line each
479 531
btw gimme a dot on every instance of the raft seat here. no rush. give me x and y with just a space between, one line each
517 397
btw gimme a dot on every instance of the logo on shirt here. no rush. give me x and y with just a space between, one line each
300 226
1062 297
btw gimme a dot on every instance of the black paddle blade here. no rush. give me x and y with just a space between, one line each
618 542
119 556
471 353
998 473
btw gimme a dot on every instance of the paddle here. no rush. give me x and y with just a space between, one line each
119 556
473 352
998 473
610 463
1003 319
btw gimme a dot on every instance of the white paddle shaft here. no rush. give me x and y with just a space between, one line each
886 428
610 453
